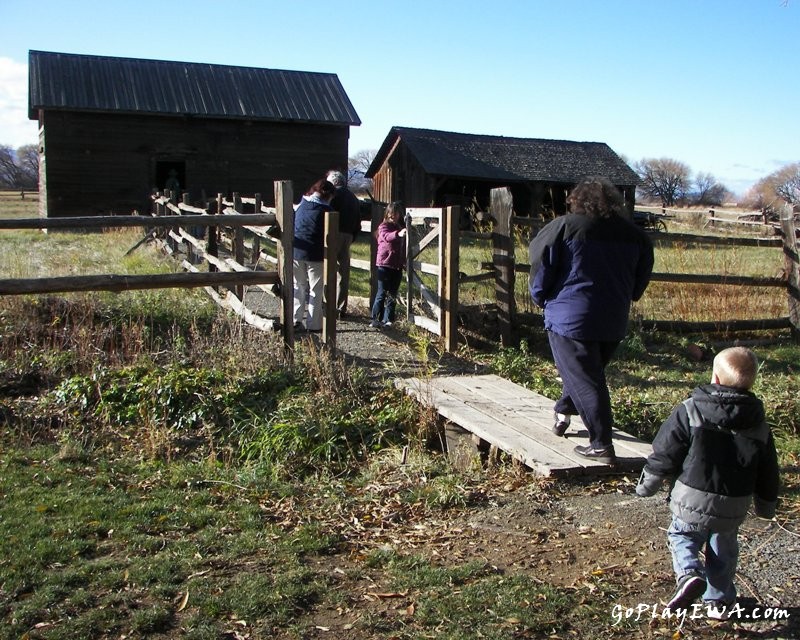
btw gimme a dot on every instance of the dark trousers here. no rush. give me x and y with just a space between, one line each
386 297
582 366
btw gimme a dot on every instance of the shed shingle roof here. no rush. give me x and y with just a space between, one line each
473 156
65 81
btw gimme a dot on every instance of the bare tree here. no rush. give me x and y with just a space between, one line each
787 184
357 166
19 169
361 160
663 179
28 160
707 191
9 169
783 184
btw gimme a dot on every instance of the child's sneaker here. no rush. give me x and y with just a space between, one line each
375 324
690 588
718 609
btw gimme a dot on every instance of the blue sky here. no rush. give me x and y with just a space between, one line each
712 83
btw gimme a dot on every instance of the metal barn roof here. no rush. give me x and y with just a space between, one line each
72 82
473 156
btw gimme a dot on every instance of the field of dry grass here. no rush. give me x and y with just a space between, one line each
14 205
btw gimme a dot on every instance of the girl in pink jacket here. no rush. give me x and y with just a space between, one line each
390 259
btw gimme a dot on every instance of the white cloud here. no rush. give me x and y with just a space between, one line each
15 128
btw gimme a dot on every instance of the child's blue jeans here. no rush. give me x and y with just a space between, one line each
383 308
686 541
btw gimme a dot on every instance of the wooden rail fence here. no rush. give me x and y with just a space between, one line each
173 219
505 267
233 260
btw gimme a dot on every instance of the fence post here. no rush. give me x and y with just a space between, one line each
191 254
501 208
238 243
448 320
256 252
792 262
284 212
212 245
329 279
173 244
376 217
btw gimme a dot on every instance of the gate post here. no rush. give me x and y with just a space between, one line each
376 217
792 262
331 245
211 240
501 209
448 265
255 254
238 244
284 213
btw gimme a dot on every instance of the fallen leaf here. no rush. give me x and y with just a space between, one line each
184 601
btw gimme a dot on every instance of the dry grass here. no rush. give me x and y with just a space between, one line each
12 205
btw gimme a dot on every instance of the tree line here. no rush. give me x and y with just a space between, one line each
669 182
19 169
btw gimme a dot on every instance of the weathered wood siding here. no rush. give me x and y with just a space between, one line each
106 163
402 178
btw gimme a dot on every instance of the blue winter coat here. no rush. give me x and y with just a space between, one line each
309 229
585 272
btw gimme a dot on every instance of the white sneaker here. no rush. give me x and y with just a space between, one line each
387 324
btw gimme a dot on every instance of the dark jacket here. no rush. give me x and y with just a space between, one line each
309 229
349 208
391 247
585 272
721 449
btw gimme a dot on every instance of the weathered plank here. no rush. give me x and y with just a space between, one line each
539 410
518 421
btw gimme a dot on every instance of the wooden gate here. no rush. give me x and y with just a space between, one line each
435 310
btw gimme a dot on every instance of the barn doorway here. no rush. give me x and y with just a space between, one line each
171 174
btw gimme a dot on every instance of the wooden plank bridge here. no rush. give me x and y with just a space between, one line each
518 421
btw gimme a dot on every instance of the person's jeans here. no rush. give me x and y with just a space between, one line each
383 308
308 293
686 541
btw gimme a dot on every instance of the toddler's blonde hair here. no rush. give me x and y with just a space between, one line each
736 367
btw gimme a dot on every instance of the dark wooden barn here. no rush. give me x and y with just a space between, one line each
424 168
112 130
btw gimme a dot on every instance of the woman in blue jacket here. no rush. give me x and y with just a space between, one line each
309 235
586 268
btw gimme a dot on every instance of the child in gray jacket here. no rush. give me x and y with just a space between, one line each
719 446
